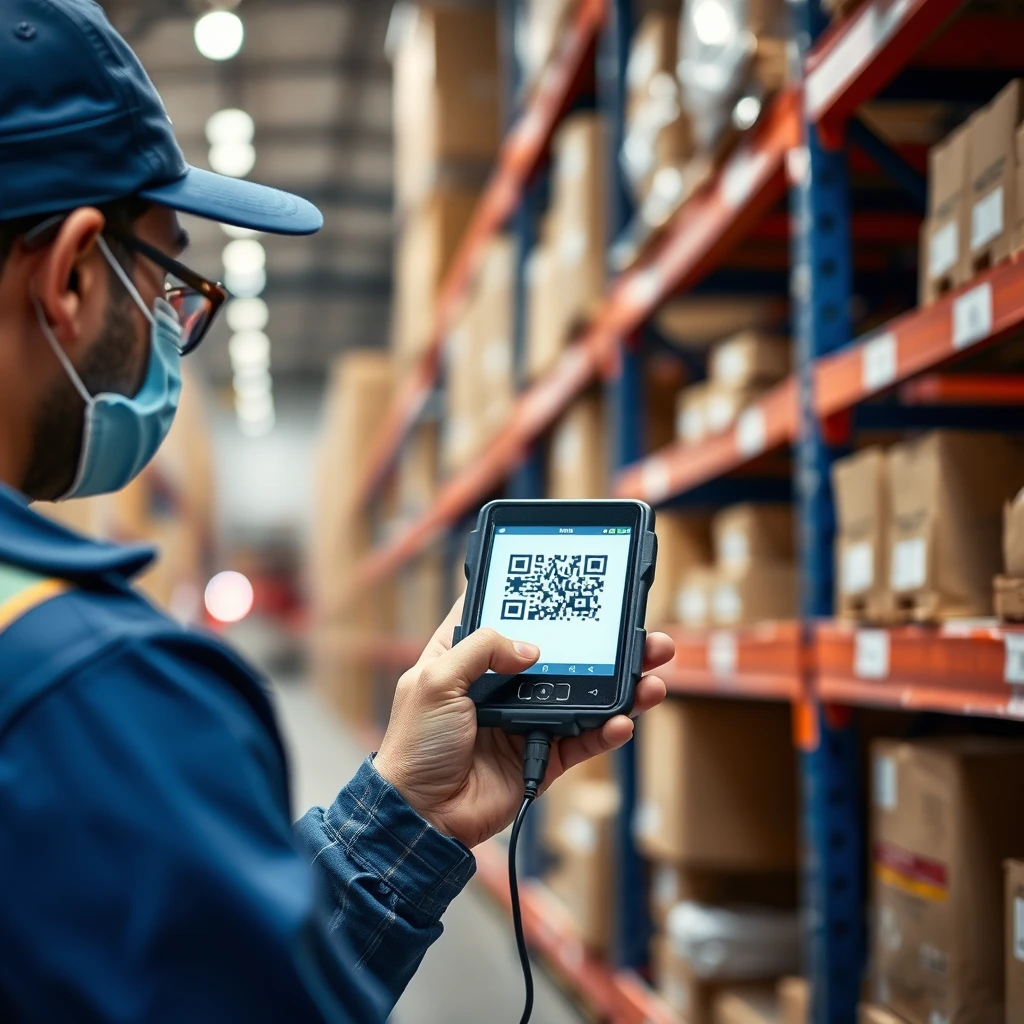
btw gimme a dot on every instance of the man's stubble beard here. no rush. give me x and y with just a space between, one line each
112 365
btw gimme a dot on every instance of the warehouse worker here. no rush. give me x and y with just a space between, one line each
150 871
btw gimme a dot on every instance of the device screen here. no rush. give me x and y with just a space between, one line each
562 588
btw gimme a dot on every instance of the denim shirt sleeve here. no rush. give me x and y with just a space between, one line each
390 875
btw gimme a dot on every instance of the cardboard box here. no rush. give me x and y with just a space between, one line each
446 98
559 800
869 1013
672 883
948 489
723 405
428 241
579 211
860 485
691 413
1014 941
718 786
692 998
748 534
992 180
763 592
547 332
946 232
418 471
583 879
461 436
1013 536
794 995
944 817
420 597
664 376
493 323
684 542
694 596
749 359
578 453
752 1006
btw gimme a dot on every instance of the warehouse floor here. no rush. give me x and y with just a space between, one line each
472 973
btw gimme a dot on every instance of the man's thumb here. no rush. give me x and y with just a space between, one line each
468 660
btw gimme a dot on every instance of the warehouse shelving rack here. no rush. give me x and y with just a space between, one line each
819 665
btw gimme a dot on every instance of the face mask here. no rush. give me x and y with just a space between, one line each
122 434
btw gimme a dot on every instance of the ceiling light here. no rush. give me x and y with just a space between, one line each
229 125
244 256
235 159
253 408
229 597
219 35
234 231
713 23
252 383
249 350
246 286
247 314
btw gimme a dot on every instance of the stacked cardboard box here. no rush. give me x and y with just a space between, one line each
359 387
948 489
480 376
717 818
794 996
754 1006
684 544
1014 941
974 202
1009 589
566 272
578 452
740 370
658 140
417 472
944 818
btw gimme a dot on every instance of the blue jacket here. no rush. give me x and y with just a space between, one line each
149 869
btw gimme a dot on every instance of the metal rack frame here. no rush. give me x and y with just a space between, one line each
821 667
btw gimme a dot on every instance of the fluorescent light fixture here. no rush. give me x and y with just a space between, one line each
243 256
235 159
219 35
246 286
247 314
229 125
249 350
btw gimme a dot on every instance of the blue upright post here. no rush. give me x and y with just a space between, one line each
821 289
624 404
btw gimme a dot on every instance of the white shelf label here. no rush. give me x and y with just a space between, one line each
751 432
909 564
885 789
1018 928
871 654
987 218
1014 670
972 316
722 653
943 249
857 568
878 362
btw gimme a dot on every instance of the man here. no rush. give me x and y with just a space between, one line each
149 868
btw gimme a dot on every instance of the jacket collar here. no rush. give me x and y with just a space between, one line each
33 542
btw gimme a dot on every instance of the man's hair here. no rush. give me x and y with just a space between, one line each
121 213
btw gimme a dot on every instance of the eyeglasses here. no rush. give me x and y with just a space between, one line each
195 299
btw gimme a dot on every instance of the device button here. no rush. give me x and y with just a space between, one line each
561 691
526 691
543 691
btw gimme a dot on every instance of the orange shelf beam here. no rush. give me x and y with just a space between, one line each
639 1003
549 933
761 662
858 56
923 339
962 669
769 423
964 389
520 154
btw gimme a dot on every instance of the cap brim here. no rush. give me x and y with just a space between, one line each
239 202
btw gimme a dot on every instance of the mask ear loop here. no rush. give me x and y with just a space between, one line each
125 279
59 352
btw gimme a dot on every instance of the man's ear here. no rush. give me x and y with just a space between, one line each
70 282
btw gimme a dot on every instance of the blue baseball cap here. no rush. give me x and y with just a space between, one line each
81 124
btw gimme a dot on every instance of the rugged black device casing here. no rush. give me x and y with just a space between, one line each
567 721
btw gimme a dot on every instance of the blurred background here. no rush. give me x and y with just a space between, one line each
755 262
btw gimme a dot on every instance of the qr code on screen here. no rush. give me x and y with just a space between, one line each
553 588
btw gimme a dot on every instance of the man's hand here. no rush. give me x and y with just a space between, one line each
468 782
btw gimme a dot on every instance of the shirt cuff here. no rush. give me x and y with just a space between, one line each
381 832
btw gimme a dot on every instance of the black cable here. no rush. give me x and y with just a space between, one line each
535 763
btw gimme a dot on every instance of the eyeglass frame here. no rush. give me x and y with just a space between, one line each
213 291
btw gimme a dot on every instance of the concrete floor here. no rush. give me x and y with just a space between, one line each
472 973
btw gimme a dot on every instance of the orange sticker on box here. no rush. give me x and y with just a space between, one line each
911 873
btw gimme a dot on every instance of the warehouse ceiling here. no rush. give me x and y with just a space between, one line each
314 77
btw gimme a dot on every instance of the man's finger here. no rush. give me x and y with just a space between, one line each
660 650
616 732
455 670
650 692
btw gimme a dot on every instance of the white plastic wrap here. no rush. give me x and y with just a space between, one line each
735 943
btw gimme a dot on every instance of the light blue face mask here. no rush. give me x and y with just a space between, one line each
122 434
